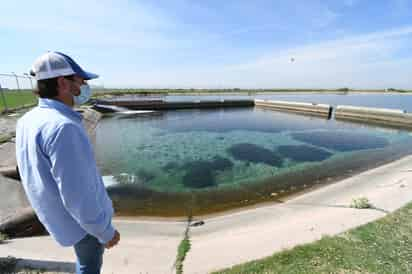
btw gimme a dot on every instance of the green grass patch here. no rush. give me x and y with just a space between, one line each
8 265
182 250
361 203
398 90
29 270
3 237
383 246
17 99
4 138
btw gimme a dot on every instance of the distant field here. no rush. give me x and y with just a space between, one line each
15 99
102 92
20 98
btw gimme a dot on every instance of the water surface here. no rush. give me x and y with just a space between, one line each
183 162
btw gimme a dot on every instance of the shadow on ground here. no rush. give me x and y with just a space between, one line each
13 265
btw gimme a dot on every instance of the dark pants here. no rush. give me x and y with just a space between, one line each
89 253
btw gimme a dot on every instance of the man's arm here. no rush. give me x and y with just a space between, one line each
74 169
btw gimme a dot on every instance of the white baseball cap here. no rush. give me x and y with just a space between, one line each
55 64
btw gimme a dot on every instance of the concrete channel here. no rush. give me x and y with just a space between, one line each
165 105
17 219
381 116
322 110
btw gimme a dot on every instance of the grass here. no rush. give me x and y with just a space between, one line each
8 265
3 237
383 246
182 250
361 203
17 99
34 271
4 138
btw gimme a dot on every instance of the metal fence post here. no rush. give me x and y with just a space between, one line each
17 81
3 99
29 77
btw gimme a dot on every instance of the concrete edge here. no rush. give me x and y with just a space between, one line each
394 117
298 107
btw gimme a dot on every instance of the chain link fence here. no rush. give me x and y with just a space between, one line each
16 91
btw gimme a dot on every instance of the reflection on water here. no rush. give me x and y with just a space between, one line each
204 161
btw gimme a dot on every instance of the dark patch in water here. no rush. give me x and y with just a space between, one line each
137 200
341 140
119 193
255 154
201 173
169 166
304 153
145 175
220 163
199 176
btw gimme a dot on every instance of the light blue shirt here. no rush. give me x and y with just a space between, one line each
59 174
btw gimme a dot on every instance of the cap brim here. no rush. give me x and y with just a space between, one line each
90 75
77 69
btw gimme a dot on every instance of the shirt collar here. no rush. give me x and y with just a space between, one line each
61 107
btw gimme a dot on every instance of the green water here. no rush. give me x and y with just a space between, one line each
199 153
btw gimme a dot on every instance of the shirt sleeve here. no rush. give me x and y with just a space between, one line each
74 168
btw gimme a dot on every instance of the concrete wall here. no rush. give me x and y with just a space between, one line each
297 107
12 199
382 116
163 105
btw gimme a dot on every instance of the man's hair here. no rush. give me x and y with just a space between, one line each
47 88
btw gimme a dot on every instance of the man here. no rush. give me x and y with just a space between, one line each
57 165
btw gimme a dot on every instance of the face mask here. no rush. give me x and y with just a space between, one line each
84 96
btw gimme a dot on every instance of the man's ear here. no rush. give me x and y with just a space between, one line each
61 83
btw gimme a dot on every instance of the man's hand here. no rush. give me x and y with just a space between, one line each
114 241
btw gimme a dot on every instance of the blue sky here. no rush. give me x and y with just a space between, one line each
217 44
